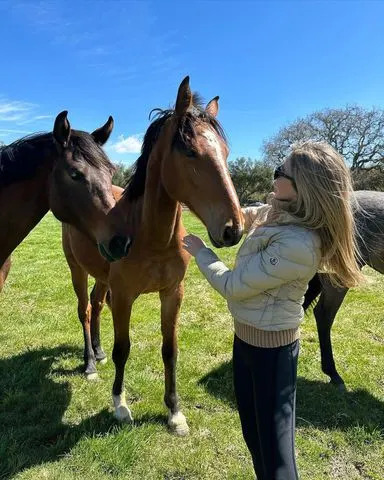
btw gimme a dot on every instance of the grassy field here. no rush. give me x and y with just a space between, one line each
56 425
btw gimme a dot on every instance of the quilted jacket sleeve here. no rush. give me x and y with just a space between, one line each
286 258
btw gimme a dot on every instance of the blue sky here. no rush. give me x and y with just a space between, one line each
270 62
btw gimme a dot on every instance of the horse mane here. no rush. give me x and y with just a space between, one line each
20 160
182 140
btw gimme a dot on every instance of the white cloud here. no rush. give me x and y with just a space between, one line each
131 144
6 131
42 117
15 111
35 119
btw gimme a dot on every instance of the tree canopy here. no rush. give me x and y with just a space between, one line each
121 175
252 179
355 132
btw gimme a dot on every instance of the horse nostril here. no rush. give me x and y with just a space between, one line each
231 236
119 246
228 236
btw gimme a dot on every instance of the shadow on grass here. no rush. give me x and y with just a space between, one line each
148 418
31 410
319 404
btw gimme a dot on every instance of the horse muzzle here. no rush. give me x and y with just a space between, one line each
117 248
230 236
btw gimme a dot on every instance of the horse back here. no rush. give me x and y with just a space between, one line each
370 228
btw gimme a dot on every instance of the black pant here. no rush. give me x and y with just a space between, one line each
265 389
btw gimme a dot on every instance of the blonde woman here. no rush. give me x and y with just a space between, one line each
308 227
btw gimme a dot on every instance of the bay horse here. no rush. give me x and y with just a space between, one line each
68 172
4 270
369 218
183 160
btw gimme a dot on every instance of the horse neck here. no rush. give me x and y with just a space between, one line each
161 214
26 201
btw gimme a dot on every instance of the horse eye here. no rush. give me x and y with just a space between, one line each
190 153
76 174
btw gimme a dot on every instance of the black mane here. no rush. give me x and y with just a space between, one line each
20 160
182 140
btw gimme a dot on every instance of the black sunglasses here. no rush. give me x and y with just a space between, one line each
279 172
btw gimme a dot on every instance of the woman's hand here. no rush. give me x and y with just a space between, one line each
192 244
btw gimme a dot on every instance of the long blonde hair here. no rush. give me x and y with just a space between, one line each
325 202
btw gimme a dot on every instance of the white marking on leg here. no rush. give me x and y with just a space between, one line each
178 423
122 412
92 376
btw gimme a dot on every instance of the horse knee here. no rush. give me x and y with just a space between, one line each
84 313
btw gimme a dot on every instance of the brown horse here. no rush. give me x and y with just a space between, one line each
68 172
183 160
4 270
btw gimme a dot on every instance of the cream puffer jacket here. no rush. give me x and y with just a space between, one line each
273 267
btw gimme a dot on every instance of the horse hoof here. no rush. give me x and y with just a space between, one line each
92 376
178 424
103 361
100 355
339 384
341 387
123 414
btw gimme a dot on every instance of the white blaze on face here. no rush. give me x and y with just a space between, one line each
214 143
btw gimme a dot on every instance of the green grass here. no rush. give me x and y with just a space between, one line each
56 425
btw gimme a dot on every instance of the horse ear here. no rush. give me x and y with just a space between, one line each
102 134
213 107
184 98
62 129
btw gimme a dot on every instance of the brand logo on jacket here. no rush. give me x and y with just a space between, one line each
274 260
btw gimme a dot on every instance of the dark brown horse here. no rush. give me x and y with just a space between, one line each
370 226
68 172
4 270
183 160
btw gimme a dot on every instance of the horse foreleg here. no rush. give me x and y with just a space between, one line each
98 294
325 312
170 308
80 285
121 312
4 270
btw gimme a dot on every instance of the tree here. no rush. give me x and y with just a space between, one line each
252 179
355 132
368 180
121 175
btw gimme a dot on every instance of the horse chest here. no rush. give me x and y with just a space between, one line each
154 274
